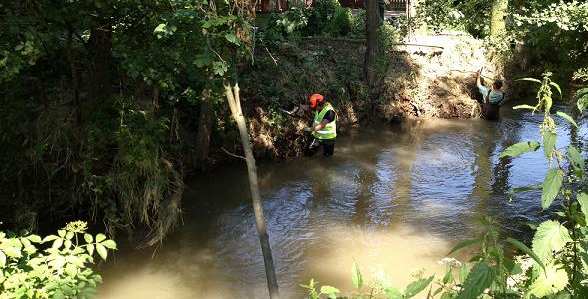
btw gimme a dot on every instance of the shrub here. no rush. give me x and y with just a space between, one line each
287 24
340 24
358 23
323 14
57 266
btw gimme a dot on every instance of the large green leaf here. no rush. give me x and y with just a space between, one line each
582 96
529 79
356 277
520 148
583 200
102 252
480 278
392 293
549 238
330 291
524 107
100 238
556 87
464 244
576 160
2 259
553 280
110 244
522 247
418 286
551 186
549 139
567 117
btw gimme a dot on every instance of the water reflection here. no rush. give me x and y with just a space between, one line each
392 199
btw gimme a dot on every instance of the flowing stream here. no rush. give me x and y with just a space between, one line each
393 199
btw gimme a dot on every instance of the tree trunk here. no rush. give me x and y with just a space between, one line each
373 20
204 129
372 25
232 95
102 65
497 19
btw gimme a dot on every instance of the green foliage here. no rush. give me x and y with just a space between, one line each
566 15
329 18
98 96
356 277
358 22
288 24
328 291
415 287
56 266
520 148
443 15
551 187
550 238
480 277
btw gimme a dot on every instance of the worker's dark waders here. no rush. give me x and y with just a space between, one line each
490 111
328 146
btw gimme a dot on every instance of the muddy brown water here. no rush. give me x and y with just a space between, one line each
393 199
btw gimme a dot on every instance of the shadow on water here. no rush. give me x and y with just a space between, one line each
392 199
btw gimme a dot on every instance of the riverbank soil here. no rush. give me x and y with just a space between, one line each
426 77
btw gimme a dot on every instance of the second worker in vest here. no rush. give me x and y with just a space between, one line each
324 126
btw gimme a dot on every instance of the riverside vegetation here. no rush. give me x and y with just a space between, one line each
107 106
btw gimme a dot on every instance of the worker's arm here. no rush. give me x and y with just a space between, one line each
320 126
478 78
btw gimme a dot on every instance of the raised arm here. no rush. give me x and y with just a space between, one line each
478 78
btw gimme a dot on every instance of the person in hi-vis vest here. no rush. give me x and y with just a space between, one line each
324 125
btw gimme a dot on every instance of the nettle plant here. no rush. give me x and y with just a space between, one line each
556 264
57 266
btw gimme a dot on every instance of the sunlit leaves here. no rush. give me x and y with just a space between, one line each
464 244
533 108
551 281
58 265
57 243
550 238
330 291
522 247
101 251
567 118
551 185
556 86
2 259
520 148
100 238
418 286
549 139
530 80
356 276
220 67
583 201
231 37
576 160
480 278
582 97
88 238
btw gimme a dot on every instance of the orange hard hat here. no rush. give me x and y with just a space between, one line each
315 99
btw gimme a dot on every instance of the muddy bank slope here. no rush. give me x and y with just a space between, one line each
425 77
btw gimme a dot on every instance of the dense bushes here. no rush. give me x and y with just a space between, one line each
326 17
99 101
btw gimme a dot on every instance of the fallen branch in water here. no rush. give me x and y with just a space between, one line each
232 154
